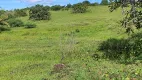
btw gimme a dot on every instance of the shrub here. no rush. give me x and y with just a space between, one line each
65 9
94 4
130 48
39 12
104 2
114 48
79 8
30 25
11 14
86 3
2 12
3 23
56 7
68 6
15 23
20 12
4 28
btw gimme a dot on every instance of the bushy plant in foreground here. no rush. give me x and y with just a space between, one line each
30 25
15 23
4 28
130 48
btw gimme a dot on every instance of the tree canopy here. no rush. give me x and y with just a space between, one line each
133 16
39 12
104 2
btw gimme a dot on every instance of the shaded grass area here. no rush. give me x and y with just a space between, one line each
30 54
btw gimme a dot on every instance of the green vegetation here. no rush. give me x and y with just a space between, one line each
39 12
30 25
133 14
56 7
88 46
20 12
4 26
123 49
104 2
15 22
79 8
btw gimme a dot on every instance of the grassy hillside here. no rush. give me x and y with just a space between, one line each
30 54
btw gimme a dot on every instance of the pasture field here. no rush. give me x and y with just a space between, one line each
68 39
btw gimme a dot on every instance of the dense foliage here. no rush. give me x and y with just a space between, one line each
20 12
39 12
2 12
3 23
15 22
133 16
56 7
69 6
120 49
30 25
86 3
104 2
94 4
79 8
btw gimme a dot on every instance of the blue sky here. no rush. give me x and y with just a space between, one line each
12 4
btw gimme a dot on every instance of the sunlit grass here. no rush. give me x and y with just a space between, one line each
30 54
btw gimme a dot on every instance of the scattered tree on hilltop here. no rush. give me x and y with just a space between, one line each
79 8
86 2
20 12
39 12
56 7
69 6
104 2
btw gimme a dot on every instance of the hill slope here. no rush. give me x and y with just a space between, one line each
30 54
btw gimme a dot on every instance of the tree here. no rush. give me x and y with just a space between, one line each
20 12
79 8
3 19
39 12
69 6
133 16
86 2
94 4
2 12
3 22
56 7
104 2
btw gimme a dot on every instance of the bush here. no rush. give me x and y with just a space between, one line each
15 23
30 25
56 7
2 12
39 12
130 48
104 2
11 14
20 12
86 3
65 9
79 8
94 4
68 6
4 28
